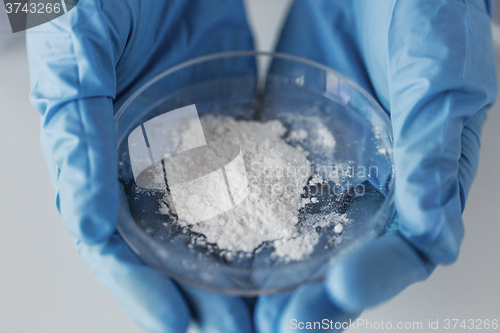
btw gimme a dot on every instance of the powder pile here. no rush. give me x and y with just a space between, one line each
277 174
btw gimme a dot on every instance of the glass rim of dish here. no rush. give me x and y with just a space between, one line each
228 54
386 209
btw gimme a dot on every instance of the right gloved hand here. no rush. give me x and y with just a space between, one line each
83 65
431 65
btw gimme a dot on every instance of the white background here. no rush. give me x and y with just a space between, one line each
45 287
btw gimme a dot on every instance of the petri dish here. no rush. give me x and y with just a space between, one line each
344 132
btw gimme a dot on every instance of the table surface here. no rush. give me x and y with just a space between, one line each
45 286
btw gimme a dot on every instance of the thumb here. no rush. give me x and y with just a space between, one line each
436 87
73 82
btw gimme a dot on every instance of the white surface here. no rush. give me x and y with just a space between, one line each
45 287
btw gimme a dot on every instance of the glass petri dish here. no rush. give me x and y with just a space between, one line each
348 145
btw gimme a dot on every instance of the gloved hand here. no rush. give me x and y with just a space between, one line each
431 66
83 65
417 58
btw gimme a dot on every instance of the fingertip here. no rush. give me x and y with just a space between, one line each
441 244
348 286
91 219
94 230
268 311
89 203
375 272
311 304
213 312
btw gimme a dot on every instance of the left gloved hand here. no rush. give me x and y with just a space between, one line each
83 65
431 66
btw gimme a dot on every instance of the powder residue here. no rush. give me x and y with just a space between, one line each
277 174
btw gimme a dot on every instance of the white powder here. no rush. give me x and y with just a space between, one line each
298 135
277 174
325 138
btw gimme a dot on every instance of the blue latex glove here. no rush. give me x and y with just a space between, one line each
430 63
99 53
83 65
